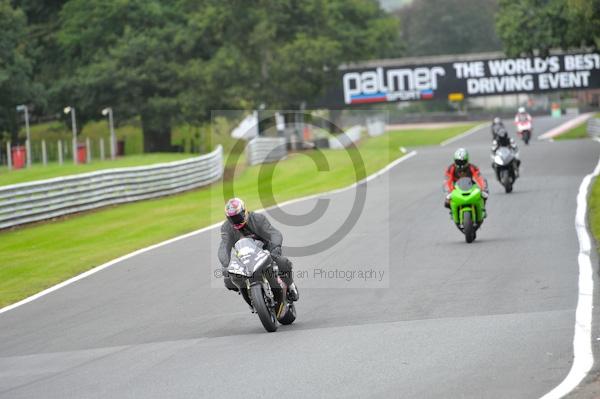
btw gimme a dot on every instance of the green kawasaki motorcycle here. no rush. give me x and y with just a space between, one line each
466 206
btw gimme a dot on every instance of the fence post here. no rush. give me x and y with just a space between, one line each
101 149
60 152
8 156
88 150
44 154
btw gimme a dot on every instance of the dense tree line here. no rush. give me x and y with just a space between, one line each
435 27
174 61
537 26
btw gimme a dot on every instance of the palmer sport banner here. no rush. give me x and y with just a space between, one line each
456 80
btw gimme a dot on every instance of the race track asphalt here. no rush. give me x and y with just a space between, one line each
430 317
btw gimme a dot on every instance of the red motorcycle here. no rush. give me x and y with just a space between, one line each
524 129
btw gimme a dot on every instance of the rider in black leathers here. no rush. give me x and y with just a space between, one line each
258 227
497 126
504 140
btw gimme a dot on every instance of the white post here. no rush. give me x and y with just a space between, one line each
28 142
113 148
101 149
113 140
8 156
60 152
44 154
88 150
74 128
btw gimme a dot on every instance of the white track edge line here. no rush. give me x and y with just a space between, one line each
190 234
463 135
583 357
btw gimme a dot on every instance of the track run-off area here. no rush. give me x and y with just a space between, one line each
398 306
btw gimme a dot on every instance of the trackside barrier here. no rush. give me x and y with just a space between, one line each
593 127
265 149
46 199
345 139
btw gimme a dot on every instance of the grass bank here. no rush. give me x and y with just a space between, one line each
594 211
578 132
39 172
36 257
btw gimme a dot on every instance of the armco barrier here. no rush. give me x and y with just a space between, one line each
265 149
593 127
345 139
46 199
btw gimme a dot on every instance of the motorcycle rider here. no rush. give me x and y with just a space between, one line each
462 168
239 224
522 115
504 140
497 126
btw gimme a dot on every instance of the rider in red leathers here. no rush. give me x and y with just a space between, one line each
462 168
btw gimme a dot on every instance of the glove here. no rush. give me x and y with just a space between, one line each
276 252
485 194
224 272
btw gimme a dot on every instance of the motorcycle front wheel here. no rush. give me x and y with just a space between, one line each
265 314
468 227
506 181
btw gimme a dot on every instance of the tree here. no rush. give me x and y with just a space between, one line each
282 53
537 26
435 27
16 85
171 61
121 54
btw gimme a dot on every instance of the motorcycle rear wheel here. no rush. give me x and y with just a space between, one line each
290 316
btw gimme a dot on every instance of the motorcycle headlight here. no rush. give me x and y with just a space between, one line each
498 160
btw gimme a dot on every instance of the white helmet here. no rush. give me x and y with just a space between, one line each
521 110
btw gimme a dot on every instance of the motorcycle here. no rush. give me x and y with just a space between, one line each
466 207
255 274
524 130
505 165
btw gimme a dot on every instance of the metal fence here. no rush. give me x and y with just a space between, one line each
345 139
265 149
46 199
593 127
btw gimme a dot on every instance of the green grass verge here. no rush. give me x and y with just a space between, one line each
578 132
36 257
415 137
594 211
39 172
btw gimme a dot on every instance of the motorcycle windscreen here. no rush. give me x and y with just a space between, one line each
506 154
246 257
464 183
